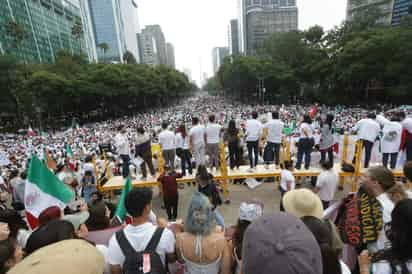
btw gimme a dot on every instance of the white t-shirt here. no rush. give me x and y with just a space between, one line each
198 135
385 268
213 133
368 129
275 129
345 269
167 140
122 144
253 130
327 183
139 237
407 124
182 142
305 128
287 176
392 135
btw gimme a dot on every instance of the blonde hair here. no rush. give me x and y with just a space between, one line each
386 179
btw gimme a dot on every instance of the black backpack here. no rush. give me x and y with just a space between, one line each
133 263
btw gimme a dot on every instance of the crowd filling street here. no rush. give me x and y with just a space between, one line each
54 218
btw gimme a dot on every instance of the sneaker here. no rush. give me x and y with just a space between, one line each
250 170
266 166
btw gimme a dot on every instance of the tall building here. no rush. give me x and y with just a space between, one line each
400 9
359 7
233 37
157 33
170 53
90 40
48 27
188 73
258 19
218 55
148 49
114 23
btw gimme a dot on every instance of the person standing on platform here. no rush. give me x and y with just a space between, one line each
143 149
391 141
326 138
167 144
213 133
197 141
407 138
253 133
182 149
123 149
170 191
233 140
274 138
326 184
305 142
368 131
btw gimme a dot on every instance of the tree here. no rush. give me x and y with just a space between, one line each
129 58
17 32
104 47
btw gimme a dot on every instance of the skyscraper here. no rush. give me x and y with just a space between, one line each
148 49
360 7
170 52
400 9
218 55
157 33
113 23
48 27
258 19
233 37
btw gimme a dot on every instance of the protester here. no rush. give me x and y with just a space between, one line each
212 133
99 218
182 150
327 184
89 186
123 149
233 141
397 257
274 129
170 191
17 226
282 243
197 141
10 254
253 135
407 171
248 212
326 138
143 149
407 140
167 144
137 235
287 181
305 142
391 141
200 248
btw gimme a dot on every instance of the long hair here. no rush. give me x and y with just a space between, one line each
199 218
240 229
232 130
386 179
323 235
98 219
328 121
182 130
399 234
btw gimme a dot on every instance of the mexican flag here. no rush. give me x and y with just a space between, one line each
121 213
69 154
43 189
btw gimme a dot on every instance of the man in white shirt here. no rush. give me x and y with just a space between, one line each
139 233
213 131
123 149
197 141
253 133
368 131
167 144
407 126
326 184
274 137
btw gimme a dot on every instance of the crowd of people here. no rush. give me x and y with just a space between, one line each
84 237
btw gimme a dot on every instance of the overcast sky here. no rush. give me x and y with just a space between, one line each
194 27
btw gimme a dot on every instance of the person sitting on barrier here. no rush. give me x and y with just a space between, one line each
248 212
287 180
202 248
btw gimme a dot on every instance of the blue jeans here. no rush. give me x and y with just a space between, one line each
219 218
125 165
88 191
304 149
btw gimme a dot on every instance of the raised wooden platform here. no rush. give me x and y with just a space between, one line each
117 182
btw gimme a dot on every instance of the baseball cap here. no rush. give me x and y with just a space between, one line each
280 243
65 257
303 202
250 211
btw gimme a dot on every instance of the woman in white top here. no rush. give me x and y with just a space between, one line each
391 141
182 149
287 180
202 249
305 143
398 258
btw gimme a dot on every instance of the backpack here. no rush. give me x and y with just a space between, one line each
146 261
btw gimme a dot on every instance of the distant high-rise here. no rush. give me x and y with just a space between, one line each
233 37
148 49
359 7
258 19
188 73
48 26
113 23
157 33
218 55
400 9
170 53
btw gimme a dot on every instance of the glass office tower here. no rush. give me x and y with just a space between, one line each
400 9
